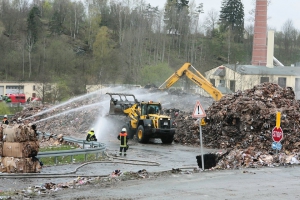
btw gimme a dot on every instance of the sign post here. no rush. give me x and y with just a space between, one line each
277 134
198 113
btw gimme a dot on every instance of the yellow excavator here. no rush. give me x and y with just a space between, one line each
146 120
197 78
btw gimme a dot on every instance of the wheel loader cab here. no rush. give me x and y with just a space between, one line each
148 108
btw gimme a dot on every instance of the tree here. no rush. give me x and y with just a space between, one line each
232 18
174 10
34 23
102 49
211 22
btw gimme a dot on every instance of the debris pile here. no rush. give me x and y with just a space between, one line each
19 146
187 130
54 140
246 119
69 119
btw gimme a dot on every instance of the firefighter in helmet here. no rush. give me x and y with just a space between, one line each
123 138
91 135
5 121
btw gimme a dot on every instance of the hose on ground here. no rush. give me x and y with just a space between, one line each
73 173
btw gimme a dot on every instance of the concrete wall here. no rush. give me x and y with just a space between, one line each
244 82
30 88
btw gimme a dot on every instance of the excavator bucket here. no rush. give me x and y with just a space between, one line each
120 102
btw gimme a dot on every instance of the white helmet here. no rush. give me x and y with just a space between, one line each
5 116
92 129
123 129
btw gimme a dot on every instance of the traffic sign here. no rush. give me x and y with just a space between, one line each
277 134
276 145
198 111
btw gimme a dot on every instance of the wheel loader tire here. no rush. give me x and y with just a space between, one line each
168 139
141 137
130 132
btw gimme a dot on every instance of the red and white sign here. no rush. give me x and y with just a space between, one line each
277 134
198 111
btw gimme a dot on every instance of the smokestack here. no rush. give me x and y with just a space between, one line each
270 49
259 51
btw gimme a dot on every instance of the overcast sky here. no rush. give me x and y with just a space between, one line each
279 11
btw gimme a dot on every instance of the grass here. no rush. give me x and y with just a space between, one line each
58 148
6 110
60 160
6 194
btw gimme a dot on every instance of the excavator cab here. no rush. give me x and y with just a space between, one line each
120 102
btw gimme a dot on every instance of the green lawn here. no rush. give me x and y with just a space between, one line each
60 160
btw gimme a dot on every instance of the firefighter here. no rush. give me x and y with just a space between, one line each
91 135
5 121
123 138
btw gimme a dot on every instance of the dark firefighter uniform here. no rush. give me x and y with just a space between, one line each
5 121
91 136
123 138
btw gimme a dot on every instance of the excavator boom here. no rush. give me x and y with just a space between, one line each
196 77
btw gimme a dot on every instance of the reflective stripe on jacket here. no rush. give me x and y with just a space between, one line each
91 133
123 138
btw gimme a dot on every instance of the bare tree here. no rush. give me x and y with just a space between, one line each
211 22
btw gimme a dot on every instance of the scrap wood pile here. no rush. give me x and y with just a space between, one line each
18 148
55 140
187 130
242 124
69 119
246 119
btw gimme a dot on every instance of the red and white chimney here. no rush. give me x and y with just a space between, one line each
259 51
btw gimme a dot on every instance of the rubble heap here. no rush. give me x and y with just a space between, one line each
187 130
18 148
69 119
246 119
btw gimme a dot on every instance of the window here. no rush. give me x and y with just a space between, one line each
282 82
213 82
232 85
20 87
222 83
264 79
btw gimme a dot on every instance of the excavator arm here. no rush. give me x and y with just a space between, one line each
208 87
197 78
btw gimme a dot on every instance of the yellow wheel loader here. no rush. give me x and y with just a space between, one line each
145 118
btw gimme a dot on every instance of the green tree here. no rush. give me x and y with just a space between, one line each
34 23
232 18
155 74
102 49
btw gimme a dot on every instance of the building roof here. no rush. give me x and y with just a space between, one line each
263 70
224 90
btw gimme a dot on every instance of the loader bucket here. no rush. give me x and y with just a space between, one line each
120 102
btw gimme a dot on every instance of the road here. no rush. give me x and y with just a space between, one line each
261 183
